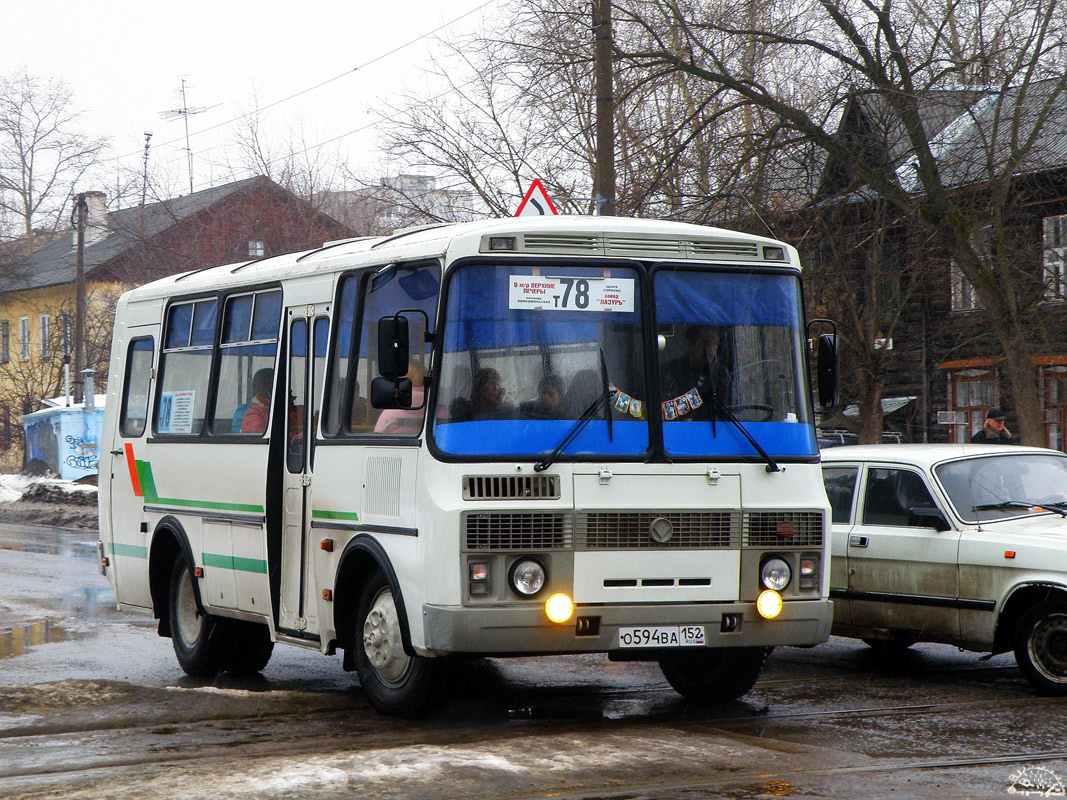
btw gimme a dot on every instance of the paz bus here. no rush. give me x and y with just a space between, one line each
510 437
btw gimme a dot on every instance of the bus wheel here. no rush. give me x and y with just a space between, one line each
1041 647
193 634
395 683
713 675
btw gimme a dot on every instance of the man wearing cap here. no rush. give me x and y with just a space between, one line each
993 431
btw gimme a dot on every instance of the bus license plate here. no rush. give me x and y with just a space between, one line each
662 636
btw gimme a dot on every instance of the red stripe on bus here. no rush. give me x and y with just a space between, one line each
133 471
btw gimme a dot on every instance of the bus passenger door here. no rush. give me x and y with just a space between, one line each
306 356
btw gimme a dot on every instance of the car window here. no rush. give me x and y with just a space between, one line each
890 496
840 488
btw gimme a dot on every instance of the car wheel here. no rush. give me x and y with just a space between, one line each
1041 647
396 683
713 675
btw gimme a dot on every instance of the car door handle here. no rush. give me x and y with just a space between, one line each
857 541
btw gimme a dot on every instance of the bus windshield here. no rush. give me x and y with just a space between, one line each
528 350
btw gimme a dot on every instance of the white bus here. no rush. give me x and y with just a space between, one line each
511 437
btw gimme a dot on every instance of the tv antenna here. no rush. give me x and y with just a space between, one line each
185 112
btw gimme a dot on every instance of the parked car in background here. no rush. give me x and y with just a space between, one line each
961 544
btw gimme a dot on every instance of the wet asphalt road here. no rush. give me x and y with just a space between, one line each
93 705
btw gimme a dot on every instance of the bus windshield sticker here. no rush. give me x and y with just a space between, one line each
570 294
176 412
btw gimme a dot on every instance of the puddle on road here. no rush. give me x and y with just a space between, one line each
68 549
15 640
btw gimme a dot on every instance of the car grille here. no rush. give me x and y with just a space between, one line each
783 529
629 530
517 531
511 487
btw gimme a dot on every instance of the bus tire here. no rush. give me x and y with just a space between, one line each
396 684
713 675
1041 647
194 634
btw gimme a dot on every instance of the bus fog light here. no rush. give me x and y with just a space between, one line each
527 576
774 573
809 573
769 604
559 608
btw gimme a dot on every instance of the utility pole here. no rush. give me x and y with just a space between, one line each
604 178
79 218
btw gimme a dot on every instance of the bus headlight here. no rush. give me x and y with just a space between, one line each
774 573
527 576
769 604
559 607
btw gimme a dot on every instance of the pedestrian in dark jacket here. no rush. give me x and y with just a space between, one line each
993 431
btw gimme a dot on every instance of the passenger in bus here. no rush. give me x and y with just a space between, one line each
685 378
549 401
486 400
255 418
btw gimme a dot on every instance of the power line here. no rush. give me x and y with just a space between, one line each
326 82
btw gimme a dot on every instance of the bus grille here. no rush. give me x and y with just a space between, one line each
517 531
783 529
629 530
511 487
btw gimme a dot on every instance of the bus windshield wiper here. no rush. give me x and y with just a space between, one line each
607 394
579 425
721 407
1059 508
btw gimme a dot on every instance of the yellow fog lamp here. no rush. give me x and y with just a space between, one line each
559 607
769 604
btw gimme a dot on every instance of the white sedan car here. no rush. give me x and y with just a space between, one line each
962 544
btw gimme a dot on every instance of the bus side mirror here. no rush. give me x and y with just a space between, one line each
387 393
826 370
393 347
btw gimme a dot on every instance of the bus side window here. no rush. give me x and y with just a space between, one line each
340 357
410 288
249 345
136 390
185 367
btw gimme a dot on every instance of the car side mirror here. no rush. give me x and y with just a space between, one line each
927 517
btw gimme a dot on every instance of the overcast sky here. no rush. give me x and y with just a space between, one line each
126 60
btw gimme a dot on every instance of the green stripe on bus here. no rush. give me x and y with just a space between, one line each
235 563
130 550
148 489
351 516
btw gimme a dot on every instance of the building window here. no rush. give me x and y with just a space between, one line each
964 298
24 338
972 393
1054 383
5 342
46 337
1055 258
257 248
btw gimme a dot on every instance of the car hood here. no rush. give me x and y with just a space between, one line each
1037 526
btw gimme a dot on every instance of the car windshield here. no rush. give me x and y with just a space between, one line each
996 487
527 350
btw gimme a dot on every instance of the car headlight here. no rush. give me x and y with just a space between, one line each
774 573
527 576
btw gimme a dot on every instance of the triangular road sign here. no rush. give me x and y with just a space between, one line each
536 202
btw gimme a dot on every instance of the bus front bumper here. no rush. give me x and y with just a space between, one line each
510 630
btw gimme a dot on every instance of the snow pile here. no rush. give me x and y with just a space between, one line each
44 490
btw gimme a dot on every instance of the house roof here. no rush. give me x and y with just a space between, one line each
970 130
56 263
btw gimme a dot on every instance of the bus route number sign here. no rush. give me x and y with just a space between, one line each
662 636
570 294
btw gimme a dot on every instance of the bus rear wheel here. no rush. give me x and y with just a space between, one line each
713 675
396 683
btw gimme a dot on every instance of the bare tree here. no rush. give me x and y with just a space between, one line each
895 58
43 152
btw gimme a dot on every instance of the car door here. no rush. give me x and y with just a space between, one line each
840 481
903 573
